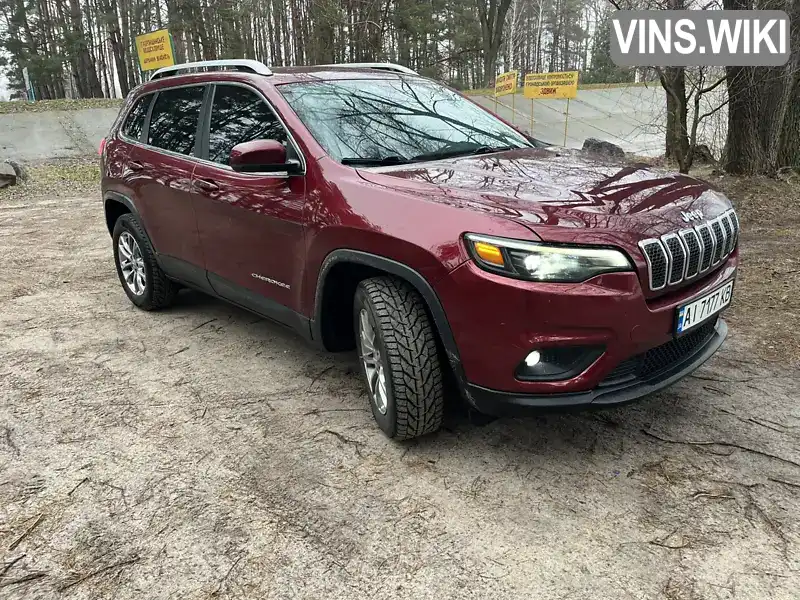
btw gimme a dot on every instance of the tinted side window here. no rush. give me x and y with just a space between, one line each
134 123
239 115
173 123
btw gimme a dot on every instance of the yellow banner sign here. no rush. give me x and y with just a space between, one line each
155 50
551 85
506 83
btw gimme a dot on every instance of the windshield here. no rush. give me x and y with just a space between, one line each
392 121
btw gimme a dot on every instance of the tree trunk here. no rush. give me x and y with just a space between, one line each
673 80
175 18
492 17
762 114
85 72
209 51
789 152
115 41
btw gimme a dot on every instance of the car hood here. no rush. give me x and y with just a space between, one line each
560 193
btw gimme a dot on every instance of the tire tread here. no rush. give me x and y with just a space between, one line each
411 351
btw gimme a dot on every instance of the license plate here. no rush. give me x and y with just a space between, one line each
698 311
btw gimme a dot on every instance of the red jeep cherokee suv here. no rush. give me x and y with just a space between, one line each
368 207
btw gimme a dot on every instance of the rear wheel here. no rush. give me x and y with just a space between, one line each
399 359
142 279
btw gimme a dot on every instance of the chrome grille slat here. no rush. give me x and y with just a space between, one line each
728 228
719 236
677 257
707 242
694 248
735 224
735 221
657 263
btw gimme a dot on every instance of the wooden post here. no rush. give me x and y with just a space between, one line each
495 102
531 132
566 123
513 105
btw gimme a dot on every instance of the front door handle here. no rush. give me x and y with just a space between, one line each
206 185
135 165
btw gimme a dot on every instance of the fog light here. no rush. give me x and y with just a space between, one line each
533 358
557 363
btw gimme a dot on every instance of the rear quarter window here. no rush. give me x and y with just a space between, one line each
134 123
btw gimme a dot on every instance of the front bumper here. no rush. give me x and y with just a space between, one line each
493 402
497 321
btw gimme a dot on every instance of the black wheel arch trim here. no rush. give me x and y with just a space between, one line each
121 199
413 277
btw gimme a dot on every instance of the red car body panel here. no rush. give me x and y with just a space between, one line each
609 310
358 215
233 226
252 225
563 196
162 184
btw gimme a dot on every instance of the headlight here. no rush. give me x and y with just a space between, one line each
544 262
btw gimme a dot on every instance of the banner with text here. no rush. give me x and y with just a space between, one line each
551 85
506 83
155 50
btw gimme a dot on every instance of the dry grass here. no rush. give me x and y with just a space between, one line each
64 104
64 178
766 308
202 453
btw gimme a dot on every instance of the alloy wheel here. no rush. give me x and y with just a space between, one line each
373 362
131 263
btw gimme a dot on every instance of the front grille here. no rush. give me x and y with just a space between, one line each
657 263
678 257
716 228
707 240
735 223
657 360
726 225
692 243
625 371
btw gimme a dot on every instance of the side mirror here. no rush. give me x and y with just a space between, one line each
262 156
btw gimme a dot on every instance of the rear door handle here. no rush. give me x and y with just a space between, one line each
135 165
206 185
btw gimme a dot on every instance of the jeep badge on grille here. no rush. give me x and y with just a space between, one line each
691 215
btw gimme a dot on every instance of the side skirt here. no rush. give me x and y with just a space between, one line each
185 273
218 287
264 307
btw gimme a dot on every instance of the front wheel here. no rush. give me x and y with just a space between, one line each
144 282
398 356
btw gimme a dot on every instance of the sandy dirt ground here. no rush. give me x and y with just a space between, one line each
203 453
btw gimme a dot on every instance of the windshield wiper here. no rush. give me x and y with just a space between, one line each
375 162
460 152
395 159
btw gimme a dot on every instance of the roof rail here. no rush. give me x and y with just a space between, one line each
214 65
381 66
